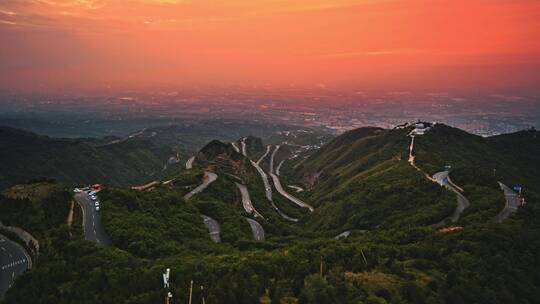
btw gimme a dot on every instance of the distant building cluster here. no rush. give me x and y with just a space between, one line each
420 128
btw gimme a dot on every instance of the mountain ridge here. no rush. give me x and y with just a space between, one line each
26 155
379 232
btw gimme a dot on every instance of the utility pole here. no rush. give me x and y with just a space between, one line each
166 285
321 267
202 294
190 291
365 260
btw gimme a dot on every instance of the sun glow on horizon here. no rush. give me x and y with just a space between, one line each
372 43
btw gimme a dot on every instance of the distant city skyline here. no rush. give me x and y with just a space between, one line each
337 111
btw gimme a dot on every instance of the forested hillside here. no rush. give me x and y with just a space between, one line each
381 230
26 156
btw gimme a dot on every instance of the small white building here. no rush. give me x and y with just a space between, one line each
420 128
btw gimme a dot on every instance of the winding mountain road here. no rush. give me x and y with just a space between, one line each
13 262
343 235
296 188
235 147
93 229
208 178
272 158
246 201
511 205
462 204
266 183
443 179
257 229
243 144
279 166
213 228
412 158
264 155
281 213
189 163
282 191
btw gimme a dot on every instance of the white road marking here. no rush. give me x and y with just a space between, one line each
12 264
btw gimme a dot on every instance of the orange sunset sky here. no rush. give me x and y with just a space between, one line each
385 44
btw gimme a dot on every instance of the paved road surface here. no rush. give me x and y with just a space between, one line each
213 228
189 163
413 164
343 235
511 205
208 178
411 148
246 200
293 199
264 155
93 229
462 204
13 262
266 183
454 185
272 158
283 215
146 186
442 178
267 187
258 231
235 147
279 166
297 188
243 143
